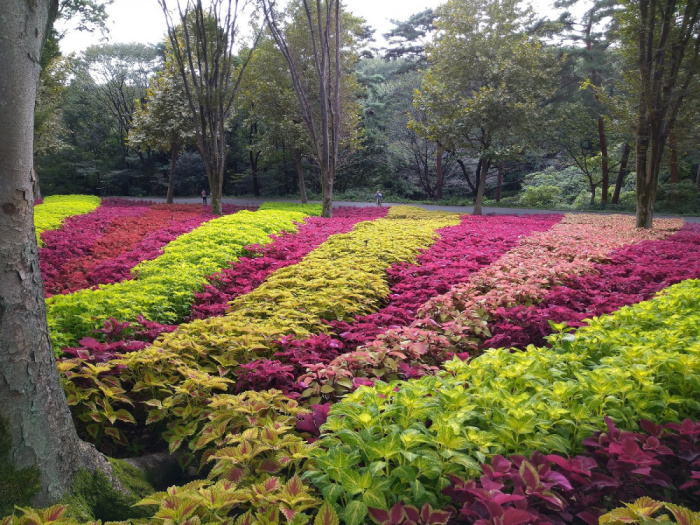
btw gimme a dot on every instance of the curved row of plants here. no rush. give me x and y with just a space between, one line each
50 214
164 289
286 249
181 370
259 466
78 255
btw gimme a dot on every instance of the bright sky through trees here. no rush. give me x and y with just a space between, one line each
143 21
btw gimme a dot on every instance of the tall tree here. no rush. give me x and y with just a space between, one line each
121 73
665 38
322 20
34 418
595 31
163 122
487 82
202 44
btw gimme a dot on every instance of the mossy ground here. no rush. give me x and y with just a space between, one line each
17 487
94 497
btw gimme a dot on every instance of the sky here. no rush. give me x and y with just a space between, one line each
143 20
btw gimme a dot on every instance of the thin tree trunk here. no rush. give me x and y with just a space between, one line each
34 415
254 172
482 185
439 181
604 166
300 174
500 182
697 178
622 173
466 174
673 158
174 154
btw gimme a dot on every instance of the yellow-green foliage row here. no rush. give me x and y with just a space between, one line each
642 362
164 288
342 278
55 209
309 209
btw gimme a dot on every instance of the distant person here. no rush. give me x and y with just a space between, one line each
378 198
204 196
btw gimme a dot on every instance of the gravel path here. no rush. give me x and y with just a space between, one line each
432 207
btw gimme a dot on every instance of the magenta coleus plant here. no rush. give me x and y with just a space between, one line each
633 274
75 240
661 462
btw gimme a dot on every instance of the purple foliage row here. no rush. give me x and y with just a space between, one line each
461 250
634 274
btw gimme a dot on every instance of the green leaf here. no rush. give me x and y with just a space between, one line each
355 513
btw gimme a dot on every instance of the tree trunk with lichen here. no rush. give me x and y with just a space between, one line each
38 435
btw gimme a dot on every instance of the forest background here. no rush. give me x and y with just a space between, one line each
566 143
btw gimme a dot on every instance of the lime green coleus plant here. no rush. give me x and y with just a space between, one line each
50 214
401 441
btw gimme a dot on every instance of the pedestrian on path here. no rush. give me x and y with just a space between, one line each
204 196
378 198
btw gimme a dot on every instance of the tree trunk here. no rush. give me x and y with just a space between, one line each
254 172
673 158
439 181
604 166
466 174
673 161
327 191
650 147
697 178
35 180
174 154
500 182
34 415
593 188
482 185
300 173
622 173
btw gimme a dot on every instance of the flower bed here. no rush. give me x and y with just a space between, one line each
489 438
633 274
286 249
407 438
50 214
340 279
165 287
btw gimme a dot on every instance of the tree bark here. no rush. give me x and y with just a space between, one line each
500 182
174 154
439 181
622 173
33 409
300 174
485 163
35 180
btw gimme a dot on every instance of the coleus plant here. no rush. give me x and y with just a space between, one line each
410 437
633 274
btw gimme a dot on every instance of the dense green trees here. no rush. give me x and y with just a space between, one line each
500 95
487 83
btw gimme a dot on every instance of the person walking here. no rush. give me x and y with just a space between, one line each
204 196
378 198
